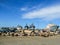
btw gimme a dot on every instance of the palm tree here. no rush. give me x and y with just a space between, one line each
26 27
32 27
57 28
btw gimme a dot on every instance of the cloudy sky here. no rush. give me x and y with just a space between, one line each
39 12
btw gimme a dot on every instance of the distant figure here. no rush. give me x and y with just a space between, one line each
0 33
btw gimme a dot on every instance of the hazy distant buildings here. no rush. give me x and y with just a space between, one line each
49 27
19 27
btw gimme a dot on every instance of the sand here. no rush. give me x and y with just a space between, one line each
33 40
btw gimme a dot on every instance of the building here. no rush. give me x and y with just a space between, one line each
52 27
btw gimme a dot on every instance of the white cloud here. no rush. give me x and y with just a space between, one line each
23 9
27 8
47 13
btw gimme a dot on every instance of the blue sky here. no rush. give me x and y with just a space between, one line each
22 12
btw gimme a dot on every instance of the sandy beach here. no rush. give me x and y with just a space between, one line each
30 40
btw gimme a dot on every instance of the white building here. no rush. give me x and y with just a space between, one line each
51 27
